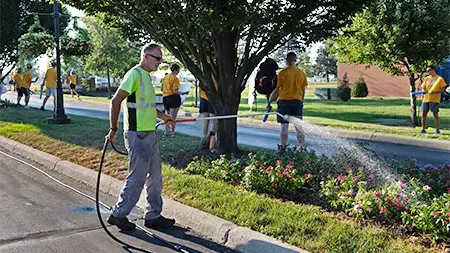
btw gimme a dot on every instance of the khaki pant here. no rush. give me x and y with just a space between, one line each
144 169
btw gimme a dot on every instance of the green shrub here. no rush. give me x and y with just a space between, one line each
360 89
344 90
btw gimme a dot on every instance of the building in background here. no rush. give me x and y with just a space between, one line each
382 84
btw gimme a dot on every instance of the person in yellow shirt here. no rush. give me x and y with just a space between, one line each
172 96
50 85
20 85
290 91
434 85
209 126
72 79
26 84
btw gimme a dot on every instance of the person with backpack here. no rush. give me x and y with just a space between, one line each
290 91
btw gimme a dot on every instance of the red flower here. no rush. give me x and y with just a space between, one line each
399 206
377 194
389 201
437 213
383 209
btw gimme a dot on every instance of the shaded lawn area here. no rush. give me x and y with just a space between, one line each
305 226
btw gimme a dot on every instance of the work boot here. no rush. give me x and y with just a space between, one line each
159 222
122 223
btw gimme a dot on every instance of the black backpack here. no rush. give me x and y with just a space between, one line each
266 77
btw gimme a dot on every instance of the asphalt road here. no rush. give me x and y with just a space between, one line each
269 138
39 215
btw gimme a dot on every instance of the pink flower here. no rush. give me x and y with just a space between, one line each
269 169
448 214
383 209
413 193
402 185
341 177
308 176
389 201
399 206
280 199
377 194
437 213
308 163
426 188
355 178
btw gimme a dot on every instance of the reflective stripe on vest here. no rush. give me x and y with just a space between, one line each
143 104
134 105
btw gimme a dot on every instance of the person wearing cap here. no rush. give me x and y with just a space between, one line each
290 91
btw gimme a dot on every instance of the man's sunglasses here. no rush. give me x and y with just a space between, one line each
156 57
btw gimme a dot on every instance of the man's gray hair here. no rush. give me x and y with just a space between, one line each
149 47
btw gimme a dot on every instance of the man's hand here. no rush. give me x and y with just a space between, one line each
111 135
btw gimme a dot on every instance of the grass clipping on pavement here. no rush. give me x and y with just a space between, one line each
306 226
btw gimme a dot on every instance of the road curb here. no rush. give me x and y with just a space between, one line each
221 231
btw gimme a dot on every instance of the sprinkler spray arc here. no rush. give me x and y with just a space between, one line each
102 158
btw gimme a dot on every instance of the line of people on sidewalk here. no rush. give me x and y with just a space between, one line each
22 81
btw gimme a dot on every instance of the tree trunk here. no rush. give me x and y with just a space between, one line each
227 130
412 83
226 101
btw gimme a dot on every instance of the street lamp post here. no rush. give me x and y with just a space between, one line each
59 116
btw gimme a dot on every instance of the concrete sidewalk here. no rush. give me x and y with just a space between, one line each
232 236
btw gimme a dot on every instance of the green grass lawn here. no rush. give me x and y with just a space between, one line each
305 226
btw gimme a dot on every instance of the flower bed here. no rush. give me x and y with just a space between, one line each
417 197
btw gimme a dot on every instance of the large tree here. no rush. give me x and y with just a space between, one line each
400 37
326 64
205 35
111 54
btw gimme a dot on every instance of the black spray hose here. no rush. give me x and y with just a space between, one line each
99 215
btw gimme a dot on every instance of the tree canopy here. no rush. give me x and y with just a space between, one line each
111 52
326 64
205 37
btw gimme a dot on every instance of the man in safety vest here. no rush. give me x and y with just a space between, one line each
140 138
